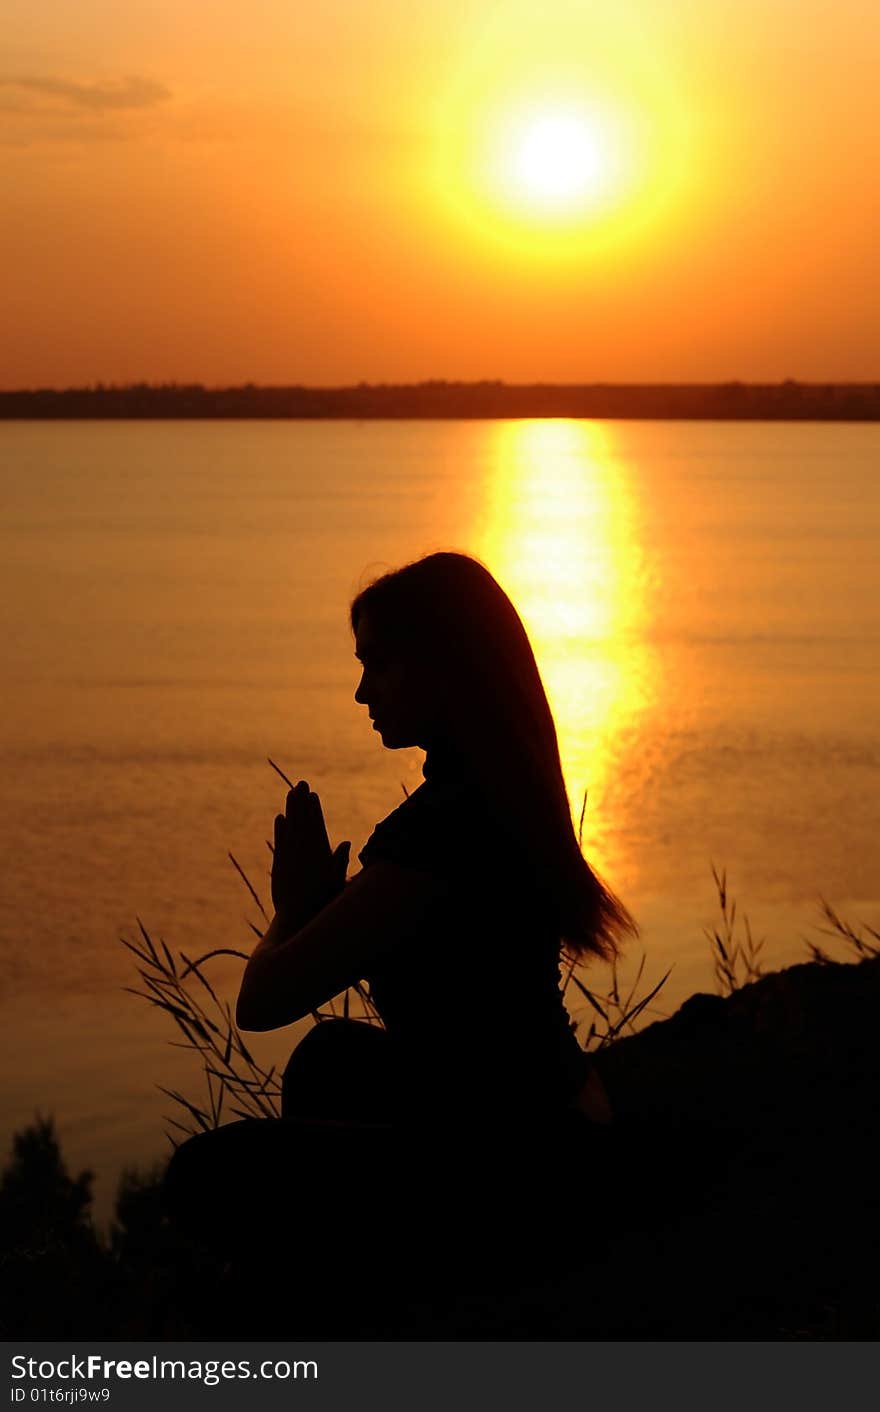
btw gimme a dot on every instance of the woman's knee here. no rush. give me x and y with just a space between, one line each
184 1181
337 1036
340 1069
216 1168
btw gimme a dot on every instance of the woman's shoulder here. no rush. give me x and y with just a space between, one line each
441 826
450 833
435 828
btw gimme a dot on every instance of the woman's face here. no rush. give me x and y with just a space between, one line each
393 691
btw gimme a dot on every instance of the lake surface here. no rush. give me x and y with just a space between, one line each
704 601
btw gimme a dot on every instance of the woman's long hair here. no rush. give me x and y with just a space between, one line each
446 615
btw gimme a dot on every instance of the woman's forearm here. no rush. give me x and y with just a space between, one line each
255 979
277 931
258 994
294 971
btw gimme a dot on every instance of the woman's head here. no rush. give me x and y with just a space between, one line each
442 644
396 692
448 662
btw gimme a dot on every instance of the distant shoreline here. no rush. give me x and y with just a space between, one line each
437 400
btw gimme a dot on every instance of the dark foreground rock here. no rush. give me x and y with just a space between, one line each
794 1052
749 1129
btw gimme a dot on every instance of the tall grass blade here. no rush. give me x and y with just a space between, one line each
278 770
247 882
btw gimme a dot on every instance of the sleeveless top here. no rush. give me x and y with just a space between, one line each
472 1000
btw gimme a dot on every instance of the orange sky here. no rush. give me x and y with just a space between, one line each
290 192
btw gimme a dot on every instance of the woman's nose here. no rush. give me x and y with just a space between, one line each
359 695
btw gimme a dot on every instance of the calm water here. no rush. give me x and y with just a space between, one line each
705 604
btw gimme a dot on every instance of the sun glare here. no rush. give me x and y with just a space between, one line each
551 165
556 160
567 142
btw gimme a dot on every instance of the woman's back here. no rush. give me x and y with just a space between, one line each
471 1001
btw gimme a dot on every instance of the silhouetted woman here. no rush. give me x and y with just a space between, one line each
462 1118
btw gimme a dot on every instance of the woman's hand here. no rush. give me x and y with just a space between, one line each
306 872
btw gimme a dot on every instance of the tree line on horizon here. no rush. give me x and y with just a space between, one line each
784 401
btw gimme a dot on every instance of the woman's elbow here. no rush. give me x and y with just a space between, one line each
259 1013
248 1017
253 1008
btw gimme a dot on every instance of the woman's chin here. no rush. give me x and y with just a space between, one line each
389 739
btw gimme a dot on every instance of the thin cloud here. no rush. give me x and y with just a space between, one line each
103 97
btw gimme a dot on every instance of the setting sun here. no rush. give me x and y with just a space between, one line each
557 160
550 161
549 166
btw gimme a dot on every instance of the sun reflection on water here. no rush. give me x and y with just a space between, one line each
561 534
